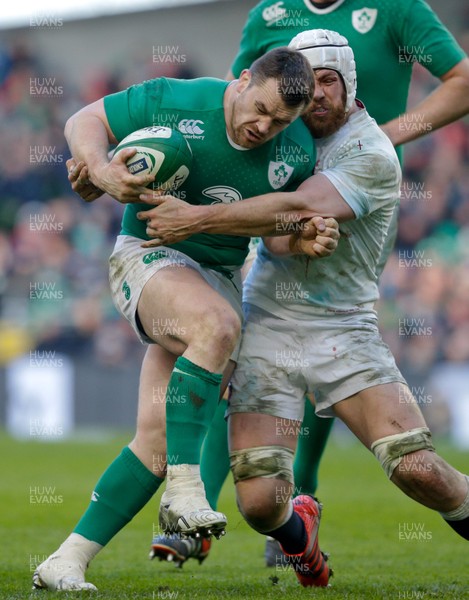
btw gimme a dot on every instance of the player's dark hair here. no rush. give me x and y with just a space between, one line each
295 78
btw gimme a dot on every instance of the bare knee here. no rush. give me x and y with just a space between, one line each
263 502
263 477
219 328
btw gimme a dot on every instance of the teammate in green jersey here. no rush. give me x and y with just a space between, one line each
184 301
388 37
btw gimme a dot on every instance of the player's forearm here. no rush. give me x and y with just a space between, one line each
267 215
88 141
449 102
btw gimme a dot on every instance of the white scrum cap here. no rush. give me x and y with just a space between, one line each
329 50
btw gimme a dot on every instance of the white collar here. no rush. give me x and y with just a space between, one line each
323 11
233 144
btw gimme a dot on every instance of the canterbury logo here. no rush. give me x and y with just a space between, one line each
94 496
273 13
191 126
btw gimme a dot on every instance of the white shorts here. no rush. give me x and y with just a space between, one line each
131 266
335 356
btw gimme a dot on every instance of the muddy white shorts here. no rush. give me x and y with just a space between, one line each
334 356
131 266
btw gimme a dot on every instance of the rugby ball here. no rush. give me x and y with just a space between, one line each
161 151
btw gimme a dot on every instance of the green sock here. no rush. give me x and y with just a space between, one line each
215 462
311 444
122 491
191 402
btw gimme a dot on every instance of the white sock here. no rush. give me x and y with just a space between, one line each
77 548
184 475
184 470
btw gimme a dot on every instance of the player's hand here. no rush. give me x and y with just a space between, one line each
318 238
115 179
171 221
79 179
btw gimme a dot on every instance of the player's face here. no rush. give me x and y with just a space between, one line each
326 114
259 113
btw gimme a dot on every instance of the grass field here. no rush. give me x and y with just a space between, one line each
365 525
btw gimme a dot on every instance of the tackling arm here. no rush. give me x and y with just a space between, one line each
268 215
272 214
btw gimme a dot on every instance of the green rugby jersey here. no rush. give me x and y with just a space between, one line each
387 37
221 171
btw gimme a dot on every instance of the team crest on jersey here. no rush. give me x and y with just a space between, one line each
279 174
273 13
222 194
364 19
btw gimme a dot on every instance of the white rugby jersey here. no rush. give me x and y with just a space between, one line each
361 163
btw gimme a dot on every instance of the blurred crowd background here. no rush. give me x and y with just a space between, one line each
54 248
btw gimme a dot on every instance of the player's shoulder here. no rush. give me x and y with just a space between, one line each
269 12
375 150
372 138
202 93
363 147
394 11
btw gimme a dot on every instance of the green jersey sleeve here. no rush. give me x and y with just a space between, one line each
134 108
423 37
251 44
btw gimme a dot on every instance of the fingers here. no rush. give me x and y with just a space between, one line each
155 197
157 238
91 195
70 164
332 223
321 247
327 237
319 237
154 243
319 223
137 183
327 243
74 169
123 155
145 215
79 178
329 233
82 177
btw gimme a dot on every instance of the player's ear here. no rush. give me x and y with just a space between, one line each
244 80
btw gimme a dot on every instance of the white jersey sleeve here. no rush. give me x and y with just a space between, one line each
363 181
361 163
